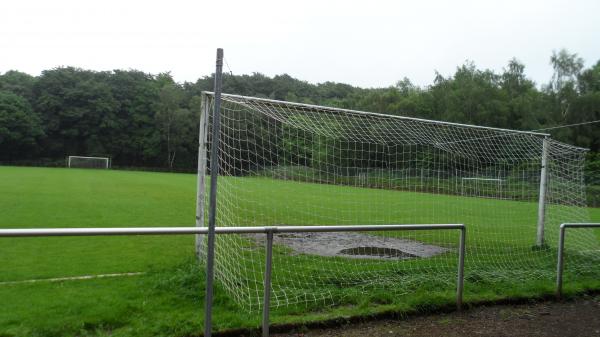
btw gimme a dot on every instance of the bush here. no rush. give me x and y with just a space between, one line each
593 195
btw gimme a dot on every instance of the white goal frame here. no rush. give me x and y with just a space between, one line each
498 182
106 159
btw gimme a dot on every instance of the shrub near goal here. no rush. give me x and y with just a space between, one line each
88 162
283 163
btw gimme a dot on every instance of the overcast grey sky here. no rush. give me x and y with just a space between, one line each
366 43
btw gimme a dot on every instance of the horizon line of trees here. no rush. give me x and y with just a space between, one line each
145 120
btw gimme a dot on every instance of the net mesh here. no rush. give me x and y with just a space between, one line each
284 163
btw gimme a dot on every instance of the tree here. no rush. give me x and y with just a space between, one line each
133 138
563 86
471 96
147 120
524 102
20 128
566 66
172 120
76 107
18 83
513 79
589 80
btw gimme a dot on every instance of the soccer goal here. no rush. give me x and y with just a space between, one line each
291 164
88 162
482 187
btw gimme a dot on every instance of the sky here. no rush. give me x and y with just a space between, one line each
370 43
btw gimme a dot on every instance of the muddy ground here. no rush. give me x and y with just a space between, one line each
577 318
353 245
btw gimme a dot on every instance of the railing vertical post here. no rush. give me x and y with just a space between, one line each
560 261
560 264
267 284
542 197
461 268
214 171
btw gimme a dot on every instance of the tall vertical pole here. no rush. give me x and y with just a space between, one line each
201 180
214 171
542 199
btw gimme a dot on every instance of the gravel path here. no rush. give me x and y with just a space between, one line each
579 318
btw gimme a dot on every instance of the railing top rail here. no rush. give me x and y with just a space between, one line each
32 232
580 224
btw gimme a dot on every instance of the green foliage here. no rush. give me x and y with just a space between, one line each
592 179
18 83
144 120
567 67
175 122
20 128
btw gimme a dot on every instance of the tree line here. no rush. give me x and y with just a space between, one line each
146 120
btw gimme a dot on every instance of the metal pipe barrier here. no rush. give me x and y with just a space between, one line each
561 251
269 231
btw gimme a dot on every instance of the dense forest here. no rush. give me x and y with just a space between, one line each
146 120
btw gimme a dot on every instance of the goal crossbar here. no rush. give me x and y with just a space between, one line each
84 157
321 108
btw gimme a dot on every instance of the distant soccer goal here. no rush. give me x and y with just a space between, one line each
88 162
291 164
482 187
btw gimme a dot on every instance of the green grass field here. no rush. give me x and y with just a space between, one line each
168 299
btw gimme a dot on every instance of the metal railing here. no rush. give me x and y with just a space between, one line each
269 231
561 251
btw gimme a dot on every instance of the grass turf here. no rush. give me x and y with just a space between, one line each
168 299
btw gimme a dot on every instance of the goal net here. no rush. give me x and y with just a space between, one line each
88 162
283 163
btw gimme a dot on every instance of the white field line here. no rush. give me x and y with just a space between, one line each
72 278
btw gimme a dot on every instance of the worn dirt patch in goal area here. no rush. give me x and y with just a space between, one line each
354 245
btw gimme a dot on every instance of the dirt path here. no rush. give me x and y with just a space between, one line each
579 318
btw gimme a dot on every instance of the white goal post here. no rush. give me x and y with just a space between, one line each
88 162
